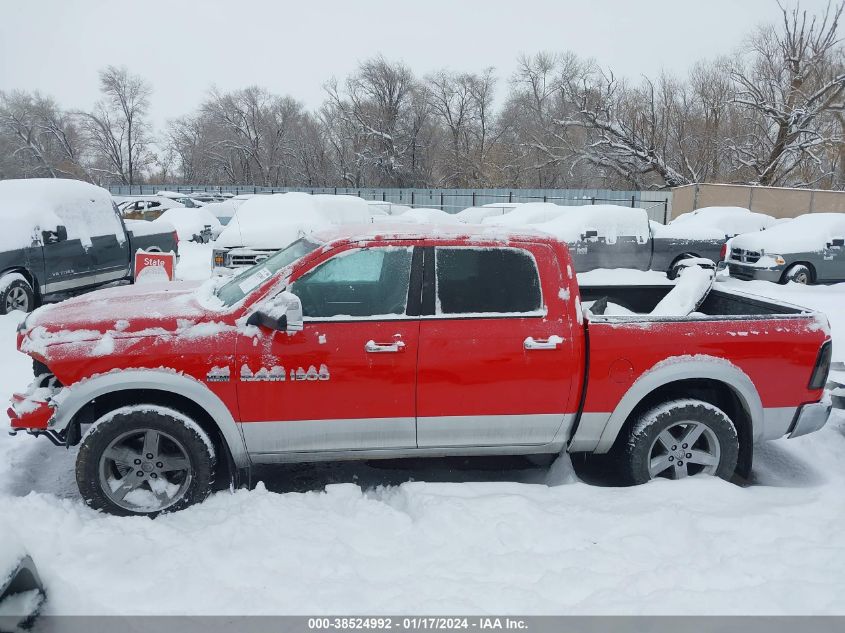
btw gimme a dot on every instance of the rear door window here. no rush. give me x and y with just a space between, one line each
486 281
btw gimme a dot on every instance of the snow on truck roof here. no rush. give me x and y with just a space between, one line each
806 233
41 204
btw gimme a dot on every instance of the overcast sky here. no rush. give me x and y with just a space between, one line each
183 47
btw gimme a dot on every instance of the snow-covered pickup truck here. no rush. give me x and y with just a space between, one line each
386 342
61 237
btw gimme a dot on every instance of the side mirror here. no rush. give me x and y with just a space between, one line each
837 241
53 237
588 234
282 313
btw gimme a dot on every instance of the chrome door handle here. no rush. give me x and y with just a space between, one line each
375 348
553 342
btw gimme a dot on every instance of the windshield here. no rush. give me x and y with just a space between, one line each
251 278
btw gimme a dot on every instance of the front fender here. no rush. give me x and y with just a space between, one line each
70 400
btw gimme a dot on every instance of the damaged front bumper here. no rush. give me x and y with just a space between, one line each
33 412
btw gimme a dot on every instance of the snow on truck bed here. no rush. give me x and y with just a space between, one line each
41 204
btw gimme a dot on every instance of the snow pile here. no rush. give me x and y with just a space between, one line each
714 223
806 233
609 221
693 285
190 222
380 207
41 204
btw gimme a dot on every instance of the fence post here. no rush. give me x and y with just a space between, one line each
335 191
545 198
633 200
510 196
384 196
441 201
412 199
666 211
473 198
593 200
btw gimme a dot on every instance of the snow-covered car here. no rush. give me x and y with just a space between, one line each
63 237
424 216
807 249
265 224
380 207
145 207
725 222
610 236
192 225
186 200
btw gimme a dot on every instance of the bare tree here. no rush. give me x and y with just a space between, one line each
789 88
117 128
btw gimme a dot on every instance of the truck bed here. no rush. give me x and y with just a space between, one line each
719 303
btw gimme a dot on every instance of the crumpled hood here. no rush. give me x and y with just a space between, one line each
126 310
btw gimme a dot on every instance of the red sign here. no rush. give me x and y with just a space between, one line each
154 266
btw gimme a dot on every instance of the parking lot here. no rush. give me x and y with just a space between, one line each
486 535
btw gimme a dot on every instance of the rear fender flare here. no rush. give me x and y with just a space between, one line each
70 400
678 368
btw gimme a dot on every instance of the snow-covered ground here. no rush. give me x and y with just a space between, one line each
438 536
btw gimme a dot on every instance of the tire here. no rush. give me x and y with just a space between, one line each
799 273
675 268
118 447
656 446
17 295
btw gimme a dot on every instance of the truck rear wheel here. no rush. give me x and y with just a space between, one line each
144 460
678 439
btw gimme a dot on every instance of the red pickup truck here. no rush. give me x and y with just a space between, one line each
383 343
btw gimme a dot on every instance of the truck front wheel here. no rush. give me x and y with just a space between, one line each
16 294
678 439
143 460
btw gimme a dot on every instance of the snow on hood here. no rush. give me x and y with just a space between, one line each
806 233
122 311
277 220
41 204
189 221
608 220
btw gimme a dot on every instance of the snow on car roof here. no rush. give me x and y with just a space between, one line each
412 231
38 204
806 233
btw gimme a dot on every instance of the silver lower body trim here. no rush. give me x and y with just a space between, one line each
400 453
329 435
490 430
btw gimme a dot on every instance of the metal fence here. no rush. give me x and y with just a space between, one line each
658 204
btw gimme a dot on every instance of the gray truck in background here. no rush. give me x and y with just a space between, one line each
63 237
